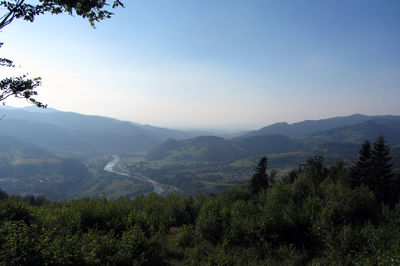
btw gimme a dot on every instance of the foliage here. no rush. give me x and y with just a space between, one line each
382 169
20 87
314 217
374 169
361 171
260 178
93 11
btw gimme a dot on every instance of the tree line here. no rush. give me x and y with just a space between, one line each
373 169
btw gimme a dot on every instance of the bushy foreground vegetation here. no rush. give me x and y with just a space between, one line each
318 215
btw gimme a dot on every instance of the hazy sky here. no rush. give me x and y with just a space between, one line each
217 63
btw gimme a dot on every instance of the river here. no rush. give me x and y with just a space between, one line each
157 188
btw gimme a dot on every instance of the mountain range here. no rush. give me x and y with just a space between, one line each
36 147
211 164
73 133
343 132
308 127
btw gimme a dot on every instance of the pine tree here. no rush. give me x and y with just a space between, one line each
260 178
382 170
361 170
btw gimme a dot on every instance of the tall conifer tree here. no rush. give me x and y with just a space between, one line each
361 170
382 169
260 178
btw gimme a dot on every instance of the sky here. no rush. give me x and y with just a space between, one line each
225 64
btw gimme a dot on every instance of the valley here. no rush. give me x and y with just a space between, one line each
226 133
72 156
157 187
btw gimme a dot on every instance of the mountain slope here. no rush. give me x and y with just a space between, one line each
12 148
371 129
311 126
267 144
66 132
216 149
205 148
26 169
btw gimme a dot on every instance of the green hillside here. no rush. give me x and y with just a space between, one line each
308 127
316 215
357 133
213 164
206 164
216 149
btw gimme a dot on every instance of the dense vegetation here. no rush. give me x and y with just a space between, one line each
317 214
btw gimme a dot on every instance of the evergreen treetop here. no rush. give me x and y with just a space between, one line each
260 178
374 169
361 170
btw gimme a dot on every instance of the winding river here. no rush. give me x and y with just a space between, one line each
157 187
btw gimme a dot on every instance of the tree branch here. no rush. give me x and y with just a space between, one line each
8 18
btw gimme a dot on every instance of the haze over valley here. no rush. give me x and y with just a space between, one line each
64 155
202 132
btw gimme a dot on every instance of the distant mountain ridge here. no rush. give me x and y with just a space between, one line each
370 129
68 132
342 138
308 127
73 133
36 147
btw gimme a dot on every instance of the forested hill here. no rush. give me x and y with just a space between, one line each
12 148
389 127
317 214
213 164
35 147
341 142
67 132
216 149
308 127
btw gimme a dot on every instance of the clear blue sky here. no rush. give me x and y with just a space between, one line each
222 64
